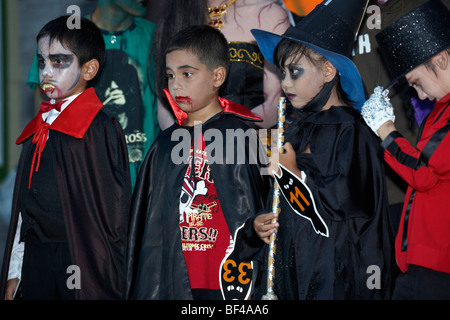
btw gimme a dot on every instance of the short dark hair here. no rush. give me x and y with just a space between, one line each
287 48
86 42
207 43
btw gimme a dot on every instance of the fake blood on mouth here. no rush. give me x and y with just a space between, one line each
181 99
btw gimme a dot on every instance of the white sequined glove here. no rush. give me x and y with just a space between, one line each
378 109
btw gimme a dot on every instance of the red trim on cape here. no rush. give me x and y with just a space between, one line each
74 120
227 106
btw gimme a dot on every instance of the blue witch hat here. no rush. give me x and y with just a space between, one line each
330 30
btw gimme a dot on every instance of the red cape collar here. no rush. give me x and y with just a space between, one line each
444 100
228 107
74 120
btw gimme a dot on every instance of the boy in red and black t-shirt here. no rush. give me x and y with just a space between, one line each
197 195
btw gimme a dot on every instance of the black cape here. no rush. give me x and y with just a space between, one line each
157 268
94 182
346 178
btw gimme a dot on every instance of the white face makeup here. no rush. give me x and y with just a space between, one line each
59 70
301 81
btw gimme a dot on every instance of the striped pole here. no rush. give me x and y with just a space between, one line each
270 295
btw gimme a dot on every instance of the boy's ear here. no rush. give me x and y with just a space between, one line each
329 71
441 60
89 69
220 74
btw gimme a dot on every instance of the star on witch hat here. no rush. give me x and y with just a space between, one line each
330 30
414 38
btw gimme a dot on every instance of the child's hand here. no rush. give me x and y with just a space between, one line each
377 110
11 286
288 160
264 226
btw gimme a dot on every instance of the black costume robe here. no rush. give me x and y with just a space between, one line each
346 178
95 188
157 267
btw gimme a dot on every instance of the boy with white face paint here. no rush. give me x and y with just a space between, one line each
60 73
74 158
124 85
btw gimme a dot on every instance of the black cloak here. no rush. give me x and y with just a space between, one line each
95 188
346 178
157 267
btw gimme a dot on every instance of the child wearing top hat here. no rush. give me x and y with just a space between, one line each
330 143
417 47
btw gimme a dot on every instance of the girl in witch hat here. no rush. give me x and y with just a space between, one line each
330 143
417 46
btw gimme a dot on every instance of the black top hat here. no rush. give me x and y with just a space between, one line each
415 38
330 30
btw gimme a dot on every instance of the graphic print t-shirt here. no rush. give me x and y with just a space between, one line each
204 233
